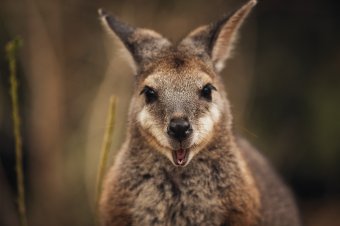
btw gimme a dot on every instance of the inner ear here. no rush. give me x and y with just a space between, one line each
217 39
143 45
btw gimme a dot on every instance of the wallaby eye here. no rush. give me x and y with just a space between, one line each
206 91
150 94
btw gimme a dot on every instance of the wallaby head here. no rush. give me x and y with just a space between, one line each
179 99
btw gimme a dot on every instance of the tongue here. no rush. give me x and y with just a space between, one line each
180 156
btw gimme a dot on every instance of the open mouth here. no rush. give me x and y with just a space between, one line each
180 156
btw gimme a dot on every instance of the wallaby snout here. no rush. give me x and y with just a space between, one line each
179 129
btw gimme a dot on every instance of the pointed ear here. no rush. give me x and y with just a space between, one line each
217 39
142 45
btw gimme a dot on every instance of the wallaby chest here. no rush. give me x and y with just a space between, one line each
167 195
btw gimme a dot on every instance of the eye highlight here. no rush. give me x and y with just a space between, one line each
206 91
150 94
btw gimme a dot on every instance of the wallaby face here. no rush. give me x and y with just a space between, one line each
177 107
179 98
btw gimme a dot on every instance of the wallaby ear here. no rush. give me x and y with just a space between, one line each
217 39
141 44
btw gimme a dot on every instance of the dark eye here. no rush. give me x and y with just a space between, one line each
150 94
206 91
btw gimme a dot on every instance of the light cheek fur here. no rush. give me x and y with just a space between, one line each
149 123
205 125
204 131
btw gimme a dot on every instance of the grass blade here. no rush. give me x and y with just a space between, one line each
11 49
105 149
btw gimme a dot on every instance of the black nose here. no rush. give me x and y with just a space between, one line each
179 129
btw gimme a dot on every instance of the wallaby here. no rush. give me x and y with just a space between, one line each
181 163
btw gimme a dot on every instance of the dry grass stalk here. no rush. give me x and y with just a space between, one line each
105 151
11 49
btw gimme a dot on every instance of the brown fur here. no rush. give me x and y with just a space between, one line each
224 181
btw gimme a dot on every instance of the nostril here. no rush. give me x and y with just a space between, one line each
179 128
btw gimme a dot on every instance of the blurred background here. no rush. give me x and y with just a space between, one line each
283 82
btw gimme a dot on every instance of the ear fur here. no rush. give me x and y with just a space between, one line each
217 39
141 44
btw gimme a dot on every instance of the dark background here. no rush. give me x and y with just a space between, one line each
283 82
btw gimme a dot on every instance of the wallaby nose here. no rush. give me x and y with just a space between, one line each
179 129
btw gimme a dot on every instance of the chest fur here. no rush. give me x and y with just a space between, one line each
190 196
